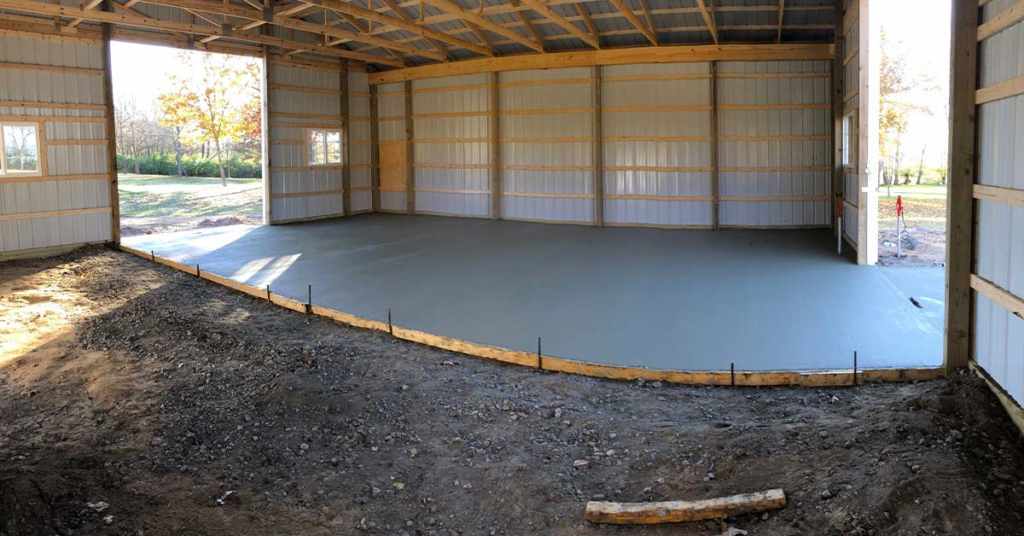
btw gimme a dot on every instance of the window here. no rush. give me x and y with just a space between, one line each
20 155
324 147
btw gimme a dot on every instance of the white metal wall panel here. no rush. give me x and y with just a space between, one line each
359 150
69 203
302 98
451 120
546 136
657 152
391 128
774 145
999 247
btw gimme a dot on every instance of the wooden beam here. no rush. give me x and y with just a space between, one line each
782 16
494 142
369 14
716 197
521 17
267 162
1007 300
836 133
709 20
589 23
1004 20
646 9
111 134
410 150
597 144
91 4
614 56
334 31
374 152
400 13
634 20
998 194
683 511
1003 90
543 10
346 170
474 18
962 160
53 10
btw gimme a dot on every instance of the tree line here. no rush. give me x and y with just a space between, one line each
207 122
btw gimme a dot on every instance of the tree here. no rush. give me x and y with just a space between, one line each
174 114
210 103
897 82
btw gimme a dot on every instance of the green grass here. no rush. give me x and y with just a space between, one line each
157 196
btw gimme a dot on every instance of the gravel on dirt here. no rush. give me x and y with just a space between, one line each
136 400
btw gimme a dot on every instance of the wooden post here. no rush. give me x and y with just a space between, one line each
410 152
597 144
715 182
869 95
494 139
374 153
838 76
960 212
346 137
267 146
111 131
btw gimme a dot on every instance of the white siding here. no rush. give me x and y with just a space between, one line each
70 203
999 242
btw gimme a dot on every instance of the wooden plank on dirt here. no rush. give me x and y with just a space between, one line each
652 513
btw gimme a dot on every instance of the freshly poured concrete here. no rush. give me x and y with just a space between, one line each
661 299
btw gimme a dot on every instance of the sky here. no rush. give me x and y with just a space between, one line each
924 28
140 72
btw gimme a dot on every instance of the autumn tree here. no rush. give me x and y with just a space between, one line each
897 81
211 103
175 114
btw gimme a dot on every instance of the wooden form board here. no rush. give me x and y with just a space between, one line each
833 378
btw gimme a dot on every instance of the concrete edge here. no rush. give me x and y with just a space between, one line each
539 361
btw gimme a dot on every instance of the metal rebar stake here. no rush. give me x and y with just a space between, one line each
855 367
540 356
732 374
309 300
391 329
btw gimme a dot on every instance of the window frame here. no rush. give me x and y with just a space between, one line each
40 166
310 159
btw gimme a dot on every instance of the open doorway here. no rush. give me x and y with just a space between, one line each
913 132
189 135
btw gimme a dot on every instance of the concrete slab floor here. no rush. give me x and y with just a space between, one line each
661 299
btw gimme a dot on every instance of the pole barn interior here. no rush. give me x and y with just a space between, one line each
732 141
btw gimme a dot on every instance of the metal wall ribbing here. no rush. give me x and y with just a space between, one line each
999 239
392 136
451 145
657 144
546 145
358 139
302 98
57 84
774 146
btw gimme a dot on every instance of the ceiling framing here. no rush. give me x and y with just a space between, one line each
388 34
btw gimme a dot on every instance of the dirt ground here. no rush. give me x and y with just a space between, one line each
924 236
136 400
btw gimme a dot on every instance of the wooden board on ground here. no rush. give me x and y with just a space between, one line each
651 513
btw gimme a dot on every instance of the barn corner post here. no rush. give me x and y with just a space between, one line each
836 132
265 142
962 165
374 152
597 145
410 150
494 143
111 132
716 185
346 140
